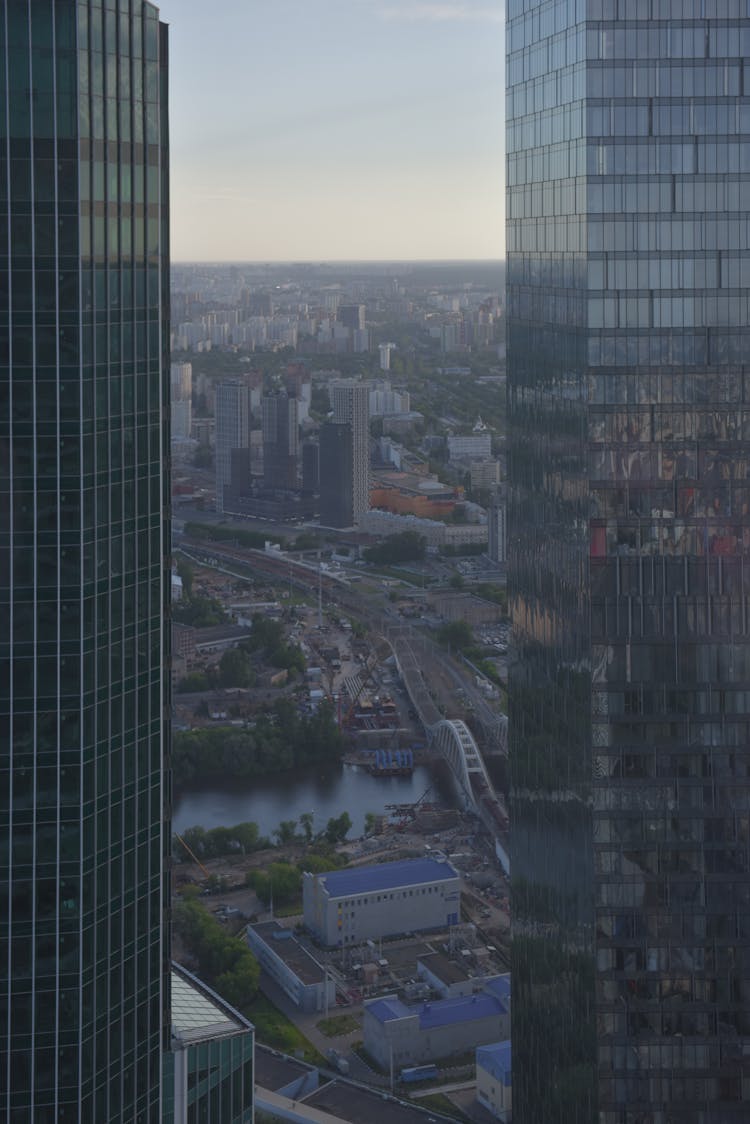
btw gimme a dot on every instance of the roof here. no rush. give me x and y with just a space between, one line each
464 1009
389 1008
496 1060
198 1013
441 1012
367 1106
499 986
275 1071
288 949
386 876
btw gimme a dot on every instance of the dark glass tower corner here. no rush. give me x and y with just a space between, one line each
628 537
83 508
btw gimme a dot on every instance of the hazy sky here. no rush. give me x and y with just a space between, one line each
335 129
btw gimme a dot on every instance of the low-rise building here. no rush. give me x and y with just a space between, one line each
464 974
208 1071
494 1082
400 1035
348 906
299 974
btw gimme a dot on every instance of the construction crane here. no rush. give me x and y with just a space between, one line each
192 854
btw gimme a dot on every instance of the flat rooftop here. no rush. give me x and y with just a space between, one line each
288 949
360 1106
386 876
274 1071
441 1012
446 970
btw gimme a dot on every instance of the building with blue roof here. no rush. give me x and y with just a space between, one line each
403 1035
494 1080
344 907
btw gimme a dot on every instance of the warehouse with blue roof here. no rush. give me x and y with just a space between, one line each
399 1034
344 907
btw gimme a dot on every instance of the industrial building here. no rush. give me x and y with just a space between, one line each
494 1082
297 973
397 1035
348 906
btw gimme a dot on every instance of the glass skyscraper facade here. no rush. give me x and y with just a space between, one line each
83 504
629 559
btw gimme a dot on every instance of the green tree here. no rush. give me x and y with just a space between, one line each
306 823
338 827
285 832
407 546
371 820
456 635
282 882
185 571
236 669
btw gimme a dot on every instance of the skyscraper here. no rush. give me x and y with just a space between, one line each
232 431
280 440
629 528
350 402
84 377
336 475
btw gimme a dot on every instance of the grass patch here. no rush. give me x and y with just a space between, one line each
274 1029
337 1025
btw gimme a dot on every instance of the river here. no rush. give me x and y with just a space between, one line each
269 800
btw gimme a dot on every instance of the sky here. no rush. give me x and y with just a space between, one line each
325 130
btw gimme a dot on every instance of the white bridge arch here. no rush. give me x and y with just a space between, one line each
453 738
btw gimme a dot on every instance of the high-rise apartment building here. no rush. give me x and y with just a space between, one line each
350 403
84 437
232 431
629 529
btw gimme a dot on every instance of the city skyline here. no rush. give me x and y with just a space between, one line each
290 142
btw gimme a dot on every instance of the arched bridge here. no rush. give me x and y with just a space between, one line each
455 742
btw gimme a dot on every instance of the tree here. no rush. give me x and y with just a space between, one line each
306 823
371 820
185 571
456 635
239 984
338 827
282 882
407 546
285 832
193 683
236 669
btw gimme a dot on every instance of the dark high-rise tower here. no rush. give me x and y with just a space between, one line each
336 475
280 440
629 530
84 374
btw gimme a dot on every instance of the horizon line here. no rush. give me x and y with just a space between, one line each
336 261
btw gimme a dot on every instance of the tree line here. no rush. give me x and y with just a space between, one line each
280 739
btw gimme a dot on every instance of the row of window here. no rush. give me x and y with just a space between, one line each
668 347
387 897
